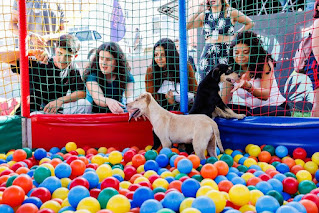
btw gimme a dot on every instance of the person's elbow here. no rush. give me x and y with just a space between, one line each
251 24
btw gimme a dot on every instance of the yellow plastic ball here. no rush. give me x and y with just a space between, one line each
51 204
44 160
3 156
98 159
187 203
115 157
228 151
218 198
106 159
191 210
104 171
149 173
311 167
209 182
125 184
50 167
82 211
9 153
239 195
315 158
203 190
226 195
3 168
237 157
11 163
60 193
141 179
167 174
70 146
65 182
300 162
254 150
65 203
268 166
247 176
247 207
119 204
119 172
249 162
255 195
80 151
303 175
89 203
129 163
175 172
219 156
248 147
102 150
149 147
160 182
140 169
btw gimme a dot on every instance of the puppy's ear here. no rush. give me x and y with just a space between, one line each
216 74
148 98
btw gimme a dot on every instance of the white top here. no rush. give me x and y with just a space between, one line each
275 98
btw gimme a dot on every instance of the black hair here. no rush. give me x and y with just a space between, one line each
122 67
69 42
258 56
171 70
316 11
224 5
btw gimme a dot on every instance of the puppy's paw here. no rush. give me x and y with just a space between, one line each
240 116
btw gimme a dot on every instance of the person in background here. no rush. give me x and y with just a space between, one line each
162 78
257 84
45 22
217 19
107 78
54 83
190 59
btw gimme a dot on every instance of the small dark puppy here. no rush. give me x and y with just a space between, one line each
208 100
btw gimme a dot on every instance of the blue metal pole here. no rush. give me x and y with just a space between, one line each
183 56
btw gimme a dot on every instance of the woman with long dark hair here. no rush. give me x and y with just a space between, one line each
218 20
164 73
257 86
108 78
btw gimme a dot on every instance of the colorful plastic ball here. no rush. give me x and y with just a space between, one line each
299 153
138 160
218 198
105 195
162 160
150 155
185 166
310 206
228 159
239 195
290 185
110 182
314 198
92 178
238 180
90 204
187 203
281 151
34 200
311 167
60 193
276 184
209 171
151 165
13 196
104 171
150 206
119 204
51 183
254 150
76 194
264 187
267 203
303 175
27 208
172 200
51 204
40 153
306 186
115 157
287 209
42 193
70 146
315 158
142 194
254 196
19 155
300 208
282 168
189 187
41 173
277 196
78 167
6 208
165 210
204 204
24 181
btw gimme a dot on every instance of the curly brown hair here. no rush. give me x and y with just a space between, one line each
258 56
122 67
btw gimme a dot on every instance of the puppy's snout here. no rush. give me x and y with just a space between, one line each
229 80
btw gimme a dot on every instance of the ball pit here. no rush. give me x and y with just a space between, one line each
85 179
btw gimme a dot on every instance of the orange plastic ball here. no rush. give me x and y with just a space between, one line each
289 161
195 160
19 155
209 171
222 167
138 160
310 206
78 167
225 185
264 156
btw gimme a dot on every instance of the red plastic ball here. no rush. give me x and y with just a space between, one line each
225 185
95 193
290 185
152 178
312 197
182 179
110 182
129 195
310 206
138 160
79 181
176 184
72 158
129 171
46 211
42 193
296 168
299 153
133 187
264 177
159 196
129 155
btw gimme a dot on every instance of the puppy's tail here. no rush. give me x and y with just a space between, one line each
217 138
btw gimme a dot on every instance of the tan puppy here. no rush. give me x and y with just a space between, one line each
200 130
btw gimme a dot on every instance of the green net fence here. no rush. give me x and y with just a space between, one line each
112 51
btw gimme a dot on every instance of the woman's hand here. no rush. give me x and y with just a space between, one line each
114 106
243 83
170 97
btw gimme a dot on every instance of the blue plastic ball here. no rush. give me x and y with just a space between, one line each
236 152
256 167
204 204
285 195
300 208
161 170
92 178
166 151
169 179
220 178
172 159
6 209
9 157
151 206
276 184
40 153
264 187
231 175
287 209
298 197
162 160
173 200
63 170
281 151
185 166
282 168
267 203
203 161
118 177
76 194
34 200
238 180
242 160
151 165
54 150
66 208
190 187
51 183
234 170
258 173
317 175
142 194
280 177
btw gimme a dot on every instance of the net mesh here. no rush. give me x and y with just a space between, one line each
144 55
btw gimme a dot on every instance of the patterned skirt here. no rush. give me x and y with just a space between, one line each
212 55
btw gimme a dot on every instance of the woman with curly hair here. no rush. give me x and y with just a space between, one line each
257 85
107 78
217 19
